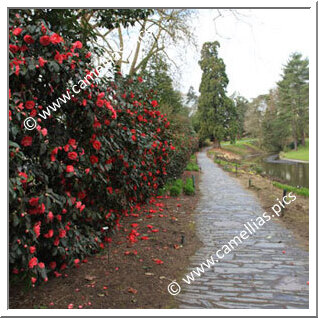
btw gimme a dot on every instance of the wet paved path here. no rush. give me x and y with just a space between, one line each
256 274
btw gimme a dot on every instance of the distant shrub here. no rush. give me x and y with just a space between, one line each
178 183
258 169
188 188
175 191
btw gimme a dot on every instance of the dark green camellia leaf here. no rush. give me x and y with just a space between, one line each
16 220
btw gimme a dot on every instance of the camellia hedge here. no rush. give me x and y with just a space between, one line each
88 164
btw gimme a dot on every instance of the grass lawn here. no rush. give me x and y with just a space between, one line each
242 147
301 154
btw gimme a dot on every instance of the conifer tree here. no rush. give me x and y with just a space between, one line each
216 112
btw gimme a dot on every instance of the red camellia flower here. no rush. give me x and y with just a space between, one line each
17 31
158 261
26 141
55 38
99 102
96 144
110 190
14 49
72 142
32 249
50 216
63 266
154 103
52 265
34 201
33 280
56 241
24 177
33 262
37 228
62 233
72 155
49 234
28 39
41 265
69 168
140 80
77 45
45 40
42 61
44 132
76 262
133 137
93 159
59 57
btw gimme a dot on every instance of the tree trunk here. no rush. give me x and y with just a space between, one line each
303 139
217 143
295 144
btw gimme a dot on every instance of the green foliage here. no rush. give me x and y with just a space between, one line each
178 183
175 187
258 169
175 191
74 23
157 71
192 165
301 191
282 116
241 108
188 188
216 112
293 91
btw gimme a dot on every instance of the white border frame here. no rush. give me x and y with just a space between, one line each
312 181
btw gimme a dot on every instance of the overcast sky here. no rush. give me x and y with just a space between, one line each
254 48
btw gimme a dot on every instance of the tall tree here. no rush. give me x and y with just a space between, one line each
254 116
275 135
293 92
241 108
216 111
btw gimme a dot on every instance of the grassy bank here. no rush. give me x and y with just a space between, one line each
300 191
302 153
242 147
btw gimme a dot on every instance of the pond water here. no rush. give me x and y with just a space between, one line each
293 173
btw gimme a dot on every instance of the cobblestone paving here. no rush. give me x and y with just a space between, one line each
257 274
